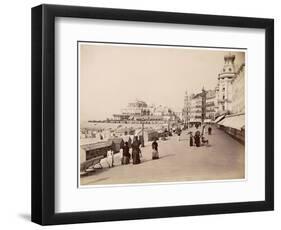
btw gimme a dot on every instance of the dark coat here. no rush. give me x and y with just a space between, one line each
191 140
126 152
197 140
130 142
122 144
155 145
136 152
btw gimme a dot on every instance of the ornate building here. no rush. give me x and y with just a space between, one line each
139 111
224 88
228 97
238 91
211 104
138 108
197 107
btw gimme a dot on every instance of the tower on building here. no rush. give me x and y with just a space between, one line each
225 78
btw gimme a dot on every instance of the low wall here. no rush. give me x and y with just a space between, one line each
238 135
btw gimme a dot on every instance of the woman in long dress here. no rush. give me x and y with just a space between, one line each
130 142
155 154
197 139
209 130
136 151
126 154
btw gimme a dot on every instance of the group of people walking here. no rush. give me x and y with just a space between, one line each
198 138
135 145
136 151
131 149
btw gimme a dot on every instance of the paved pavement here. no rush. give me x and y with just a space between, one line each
224 158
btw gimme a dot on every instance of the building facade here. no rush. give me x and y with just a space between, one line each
197 107
138 108
238 91
185 110
228 97
140 111
211 105
225 79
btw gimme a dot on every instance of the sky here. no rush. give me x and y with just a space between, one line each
113 75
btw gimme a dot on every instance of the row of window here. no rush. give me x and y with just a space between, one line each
229 69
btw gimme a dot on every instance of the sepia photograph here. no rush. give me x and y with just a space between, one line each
160 114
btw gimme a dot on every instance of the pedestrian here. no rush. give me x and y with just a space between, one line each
191 140
139 141
110 158
126 154
130 142
210 130
197 139
155 153
179 134
136 151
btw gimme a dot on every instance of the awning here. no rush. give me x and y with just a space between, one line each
234 121
219 118
97 145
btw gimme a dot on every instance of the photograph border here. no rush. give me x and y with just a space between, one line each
43 114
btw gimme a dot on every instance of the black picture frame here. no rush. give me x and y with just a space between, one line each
43 113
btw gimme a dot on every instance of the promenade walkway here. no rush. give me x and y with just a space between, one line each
223 159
